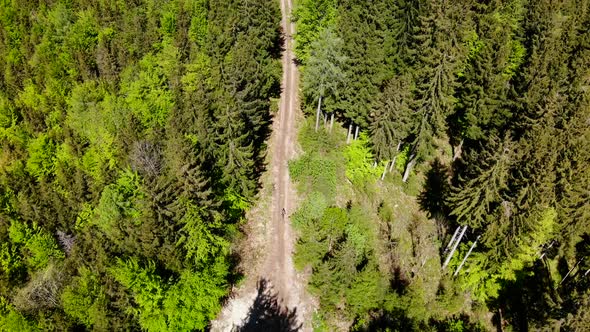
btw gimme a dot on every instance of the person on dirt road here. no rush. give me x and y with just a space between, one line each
283 212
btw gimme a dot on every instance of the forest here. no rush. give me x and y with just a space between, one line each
132 135
443 177
446 164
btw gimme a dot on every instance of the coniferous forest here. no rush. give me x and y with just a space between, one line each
455 194
132 135
443 174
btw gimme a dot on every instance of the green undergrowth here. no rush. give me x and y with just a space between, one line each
373 253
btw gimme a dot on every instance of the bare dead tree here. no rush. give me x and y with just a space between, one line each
146 158
42 292
450 255
67 241
349 133
465 258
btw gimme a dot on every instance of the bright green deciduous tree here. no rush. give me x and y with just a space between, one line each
312 17
147 289
146 91
12 320
41 161
36 245
119 200
194 299
86 301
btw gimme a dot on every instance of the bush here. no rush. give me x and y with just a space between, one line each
316 173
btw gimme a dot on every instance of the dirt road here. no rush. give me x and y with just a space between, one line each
280 269
284 285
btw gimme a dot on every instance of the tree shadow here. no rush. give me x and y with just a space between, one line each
267 314
395 320
528 302
433 196
436 189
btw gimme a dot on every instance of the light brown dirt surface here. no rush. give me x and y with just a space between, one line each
273 295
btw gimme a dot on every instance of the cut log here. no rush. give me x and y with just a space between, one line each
453 239
570 271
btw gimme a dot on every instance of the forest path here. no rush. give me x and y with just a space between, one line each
281 303
279 262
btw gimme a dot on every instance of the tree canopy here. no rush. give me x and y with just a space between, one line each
131 142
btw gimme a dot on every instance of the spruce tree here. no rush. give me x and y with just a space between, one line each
392 119
439 56
484 184
234 150
363 29
407 20
323 75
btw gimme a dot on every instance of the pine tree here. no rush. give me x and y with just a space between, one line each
482 187
435 79
392 121
364 30
323 75
407 19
